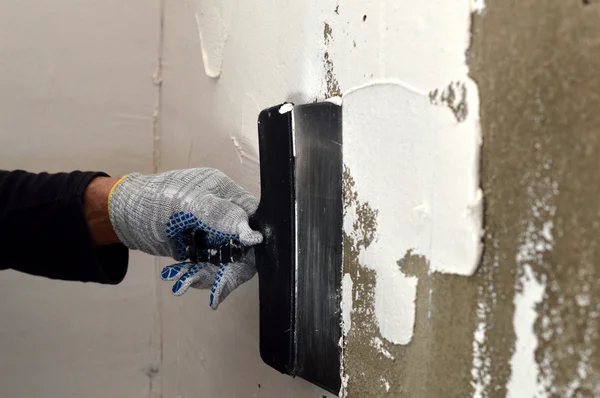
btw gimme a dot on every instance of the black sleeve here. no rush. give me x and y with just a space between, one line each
43 230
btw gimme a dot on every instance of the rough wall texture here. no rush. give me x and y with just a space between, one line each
537 68
527 323
438 359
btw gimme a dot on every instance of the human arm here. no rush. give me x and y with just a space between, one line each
78 226
95 207
44 230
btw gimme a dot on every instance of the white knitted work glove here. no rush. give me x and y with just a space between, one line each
220 280
151 212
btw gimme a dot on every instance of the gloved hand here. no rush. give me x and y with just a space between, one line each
221 281
151 212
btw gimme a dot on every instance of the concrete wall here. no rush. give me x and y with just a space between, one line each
78 93
526 323
427 313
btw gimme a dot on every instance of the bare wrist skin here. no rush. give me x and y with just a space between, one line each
95 207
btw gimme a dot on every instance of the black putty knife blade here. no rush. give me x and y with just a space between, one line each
300 260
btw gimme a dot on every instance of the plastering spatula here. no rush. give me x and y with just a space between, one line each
300 260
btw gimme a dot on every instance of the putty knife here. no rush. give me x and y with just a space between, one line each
300 260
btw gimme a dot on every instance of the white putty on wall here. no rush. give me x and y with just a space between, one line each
482 361
380 347
285 108
524 369
413 163
213 19
386 384
346 303
527 378
478 6
480 372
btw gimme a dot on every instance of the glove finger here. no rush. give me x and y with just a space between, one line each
248 236
200 276
230 190
227 220
229 277
246 201
175 271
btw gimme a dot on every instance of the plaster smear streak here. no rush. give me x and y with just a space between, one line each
526 380
213 19
418 168
346 303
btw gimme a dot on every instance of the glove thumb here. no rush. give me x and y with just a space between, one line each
248 236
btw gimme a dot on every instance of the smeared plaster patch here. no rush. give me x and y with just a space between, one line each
335 100
482 361
583 299
379 346
358 349
524 369
529 377
394 292
394 305
408 156
346 303
157 77
480 371
213 20
407 164
285 108
386 384
238 148
211 62
344 387
477 6
475 205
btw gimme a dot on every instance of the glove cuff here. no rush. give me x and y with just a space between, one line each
120 209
